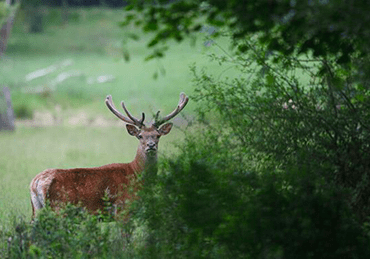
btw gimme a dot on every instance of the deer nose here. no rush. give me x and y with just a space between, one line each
151 144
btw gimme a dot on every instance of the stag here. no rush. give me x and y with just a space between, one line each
90 187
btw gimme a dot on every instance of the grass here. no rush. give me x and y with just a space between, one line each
93 41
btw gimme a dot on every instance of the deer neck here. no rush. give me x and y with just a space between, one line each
144 161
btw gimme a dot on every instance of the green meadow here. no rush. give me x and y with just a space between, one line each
90 46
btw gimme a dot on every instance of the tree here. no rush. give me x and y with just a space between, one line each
338 28
7 13
290 148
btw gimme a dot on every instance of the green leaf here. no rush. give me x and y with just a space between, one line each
243 48
270 79
153 42
129 7
360 97
151 26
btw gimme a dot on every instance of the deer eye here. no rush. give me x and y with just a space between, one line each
139 137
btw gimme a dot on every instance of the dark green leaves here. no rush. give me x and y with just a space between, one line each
338 28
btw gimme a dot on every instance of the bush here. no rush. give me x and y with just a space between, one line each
278 169
303 113
70 233
199 207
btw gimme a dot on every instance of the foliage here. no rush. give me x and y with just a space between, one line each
6 10
203 204
278 167
284 171
323 28
70 233
301 101
300 116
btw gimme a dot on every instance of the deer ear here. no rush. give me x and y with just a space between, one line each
165 129
132 130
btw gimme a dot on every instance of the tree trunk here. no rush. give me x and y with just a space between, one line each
6 110
5 32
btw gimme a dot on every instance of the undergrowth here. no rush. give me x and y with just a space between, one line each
70 233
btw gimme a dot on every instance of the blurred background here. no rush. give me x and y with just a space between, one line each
63 58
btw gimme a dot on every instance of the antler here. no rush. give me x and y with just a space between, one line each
182 103
131 119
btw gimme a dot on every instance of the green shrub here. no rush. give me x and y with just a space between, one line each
23 112
278 169
70 233
309 114
200 207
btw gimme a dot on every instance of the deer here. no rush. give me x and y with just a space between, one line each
90 187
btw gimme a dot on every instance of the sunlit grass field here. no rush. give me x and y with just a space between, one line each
92 43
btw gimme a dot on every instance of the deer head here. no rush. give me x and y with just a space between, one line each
148 136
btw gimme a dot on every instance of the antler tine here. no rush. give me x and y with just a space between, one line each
182 103
112 108
136 121
110 105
